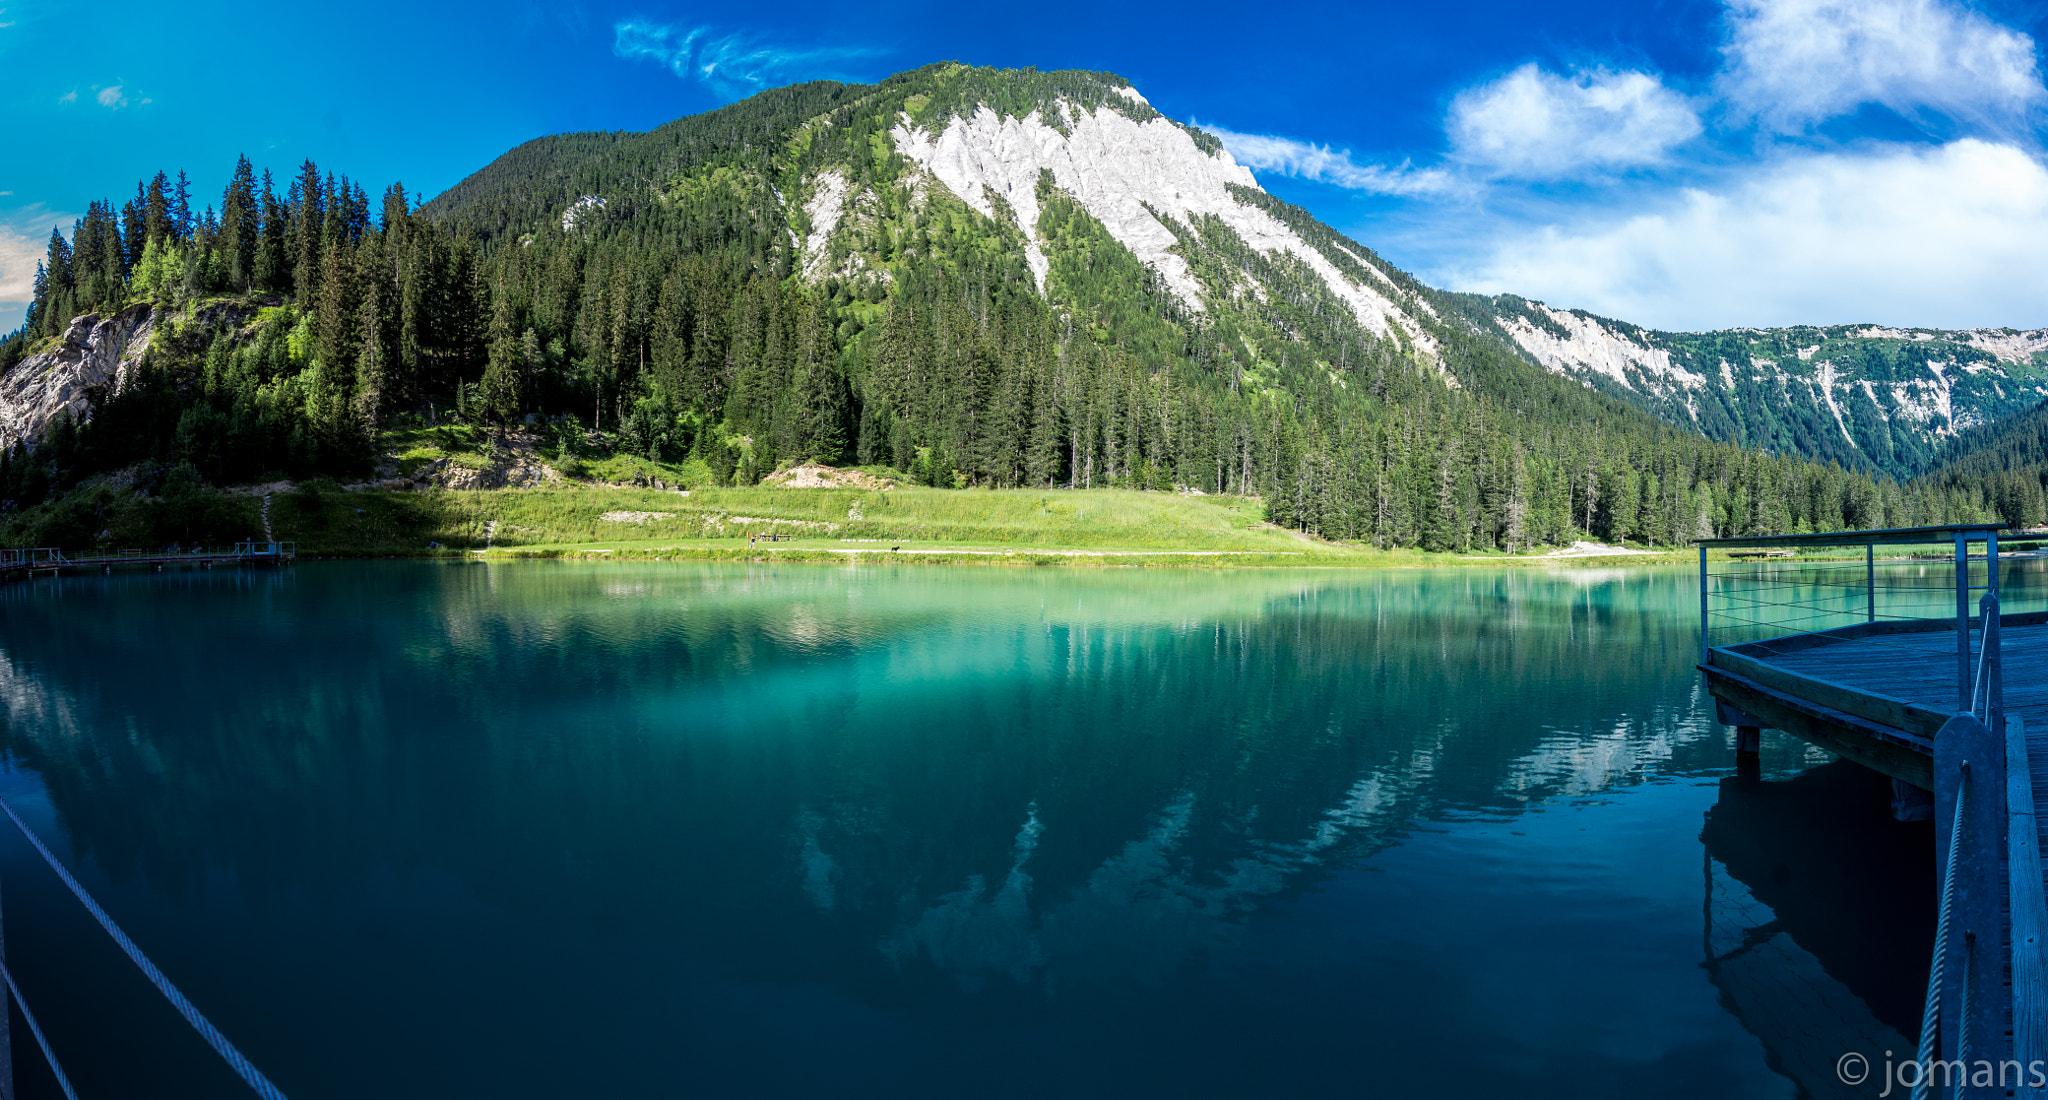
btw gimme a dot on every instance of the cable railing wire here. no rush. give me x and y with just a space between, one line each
1930 1014
234 1058
36 1030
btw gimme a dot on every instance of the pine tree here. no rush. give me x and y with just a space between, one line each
272 272
820 390
499 389
309 224
182 223
240 227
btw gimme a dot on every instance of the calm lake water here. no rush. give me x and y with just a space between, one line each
547 830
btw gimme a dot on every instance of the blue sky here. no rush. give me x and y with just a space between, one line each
1682 164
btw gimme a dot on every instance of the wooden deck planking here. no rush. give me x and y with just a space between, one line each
1920 668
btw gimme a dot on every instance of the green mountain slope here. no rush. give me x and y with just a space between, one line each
981 278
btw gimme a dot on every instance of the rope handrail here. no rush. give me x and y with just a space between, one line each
234 1058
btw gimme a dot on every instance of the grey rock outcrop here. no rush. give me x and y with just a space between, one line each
94 353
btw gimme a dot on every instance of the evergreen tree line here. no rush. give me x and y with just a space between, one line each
672 323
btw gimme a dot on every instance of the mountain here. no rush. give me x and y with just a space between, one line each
976 277
2004 463
1863 395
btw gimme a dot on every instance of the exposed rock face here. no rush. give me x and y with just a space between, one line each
812 475
515 463
519 473
828 202
1888 396
1587 346
1117 167
95 353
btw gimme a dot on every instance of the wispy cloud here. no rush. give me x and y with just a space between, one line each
1791 63
1323 164
735 63
1540 125
111 98
68 97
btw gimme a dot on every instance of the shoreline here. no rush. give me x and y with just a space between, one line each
1029 556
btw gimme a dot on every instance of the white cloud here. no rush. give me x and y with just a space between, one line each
1947 236
18 256
24 240
111 98
1792 63
1302 160
69 97
1532 123
732 65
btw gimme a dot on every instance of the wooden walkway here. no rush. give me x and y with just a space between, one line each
1920 667
26 563
2037 755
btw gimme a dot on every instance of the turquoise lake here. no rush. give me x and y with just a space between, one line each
408 829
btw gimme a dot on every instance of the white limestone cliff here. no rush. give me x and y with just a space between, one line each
1591 347
1116 167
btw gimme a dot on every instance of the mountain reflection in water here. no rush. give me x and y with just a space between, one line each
556 829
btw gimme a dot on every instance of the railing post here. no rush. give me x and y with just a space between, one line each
1991 561
1993 652
1870 582
1703 605
1968 755
1962 623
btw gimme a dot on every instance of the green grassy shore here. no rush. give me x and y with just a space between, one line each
1096 527
590 515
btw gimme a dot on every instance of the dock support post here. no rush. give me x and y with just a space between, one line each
1962 623
1870 582
1748 740
1969 757
1910 803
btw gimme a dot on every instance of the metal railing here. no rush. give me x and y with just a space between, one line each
1753 589
235 1059
1901 585
40 558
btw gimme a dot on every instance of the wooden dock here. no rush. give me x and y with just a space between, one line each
1956 706
1878 694
16 564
